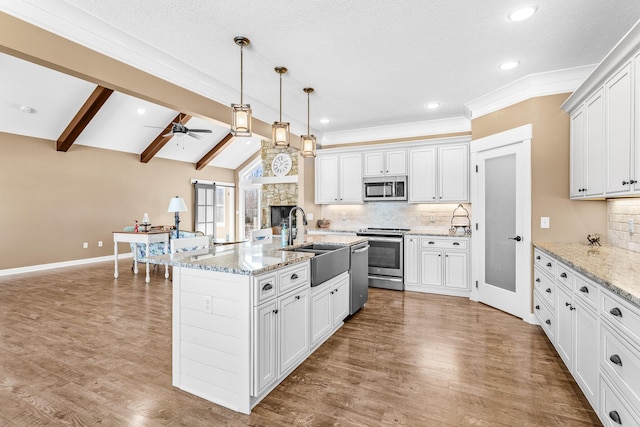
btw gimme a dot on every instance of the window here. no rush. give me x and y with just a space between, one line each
204 209
220 203
250 195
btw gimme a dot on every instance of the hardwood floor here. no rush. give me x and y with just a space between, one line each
78 347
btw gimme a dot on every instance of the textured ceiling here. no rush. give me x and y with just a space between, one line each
371 62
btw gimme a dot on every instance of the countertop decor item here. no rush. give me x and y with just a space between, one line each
460 222
324 223
594 239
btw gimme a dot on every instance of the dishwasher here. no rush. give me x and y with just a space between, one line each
359 276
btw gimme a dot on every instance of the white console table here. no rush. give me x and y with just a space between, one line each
140 238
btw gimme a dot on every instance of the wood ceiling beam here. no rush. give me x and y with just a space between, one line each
82 118
160 140
214 152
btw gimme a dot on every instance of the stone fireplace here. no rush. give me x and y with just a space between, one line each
279 193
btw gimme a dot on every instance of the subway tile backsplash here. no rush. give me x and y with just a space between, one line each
619 212
417 217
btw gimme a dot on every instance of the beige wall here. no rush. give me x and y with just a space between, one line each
571 221
52 201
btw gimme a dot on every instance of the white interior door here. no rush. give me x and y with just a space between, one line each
501 200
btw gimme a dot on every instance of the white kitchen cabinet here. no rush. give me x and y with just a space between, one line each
437 265
620 171
329 307
266 362
338 178
293 329
387 162
439 173
587 148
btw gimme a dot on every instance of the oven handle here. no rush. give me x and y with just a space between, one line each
359 251
385 239
387 278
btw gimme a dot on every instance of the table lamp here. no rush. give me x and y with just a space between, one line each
176 204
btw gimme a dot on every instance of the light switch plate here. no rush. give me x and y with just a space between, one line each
310 216
544 222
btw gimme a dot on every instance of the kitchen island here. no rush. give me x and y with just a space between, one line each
242 317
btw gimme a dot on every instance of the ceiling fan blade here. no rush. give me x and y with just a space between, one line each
201 130
193 135
155 127
167 134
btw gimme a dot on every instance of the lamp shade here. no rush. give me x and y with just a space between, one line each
176 204
308 146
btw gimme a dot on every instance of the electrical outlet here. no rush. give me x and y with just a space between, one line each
99 243
310 216
207 304
432 218
544 222
85 245
630 225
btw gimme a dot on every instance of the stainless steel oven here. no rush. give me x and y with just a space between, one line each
386 258
385 188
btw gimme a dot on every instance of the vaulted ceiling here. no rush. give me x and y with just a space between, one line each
371 62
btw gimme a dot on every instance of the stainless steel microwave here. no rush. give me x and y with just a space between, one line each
385 188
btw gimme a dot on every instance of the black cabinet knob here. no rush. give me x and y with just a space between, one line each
538 257
538 279
572 308
538 307
549 265
615 417
633 181
563 275
584 290
297 296
567 304
275 311
548 290
517 238
616 312
548 322
625 182
616 359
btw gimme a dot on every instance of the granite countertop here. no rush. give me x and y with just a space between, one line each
250 258
616 269
435 232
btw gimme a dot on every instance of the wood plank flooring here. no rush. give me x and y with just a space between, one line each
78 347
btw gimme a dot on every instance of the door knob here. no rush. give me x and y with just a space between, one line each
517 238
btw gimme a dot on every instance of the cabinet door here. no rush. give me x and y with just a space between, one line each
265 368
374 164
619 131
453 173
396 162
564 331
411 259
456 270
578 150
326 179
586 351
422 175
351 178
340 296
293 329
594 155
431 268
321 319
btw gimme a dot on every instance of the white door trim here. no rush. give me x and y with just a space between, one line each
522 134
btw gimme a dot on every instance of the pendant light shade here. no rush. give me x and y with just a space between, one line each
280 130
241 113
308 146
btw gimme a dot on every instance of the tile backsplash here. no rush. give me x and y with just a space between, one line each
417 217
619 212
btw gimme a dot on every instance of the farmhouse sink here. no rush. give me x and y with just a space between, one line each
328 262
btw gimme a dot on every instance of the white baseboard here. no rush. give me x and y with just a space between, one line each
53 265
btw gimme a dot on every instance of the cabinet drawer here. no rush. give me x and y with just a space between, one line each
587 290
622 362
564 276
545 262
545 316
614 412
427 242
546 286
291 277
624 317
264 288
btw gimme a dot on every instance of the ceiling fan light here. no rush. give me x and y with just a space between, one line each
308 146
280 134
241 119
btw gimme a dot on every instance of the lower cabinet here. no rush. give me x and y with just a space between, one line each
329 307
437 265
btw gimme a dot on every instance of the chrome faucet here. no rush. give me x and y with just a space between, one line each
304 222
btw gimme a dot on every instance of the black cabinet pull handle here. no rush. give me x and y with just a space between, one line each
538 307
549 264
331 292
548 322
267 287
432 243
275 311
297 296
294 276
616 312
616 359
567 304
572 308
538 279
456 244
633 181
563 275
615 417
517 238
335 290
625 182
584 289
548 290
538 257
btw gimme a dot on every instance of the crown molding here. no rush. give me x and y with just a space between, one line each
531 86
403 130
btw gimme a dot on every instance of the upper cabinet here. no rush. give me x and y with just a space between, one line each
605 125
439 173
339 178
387 162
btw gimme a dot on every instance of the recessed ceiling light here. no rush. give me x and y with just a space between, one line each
433 105
509 65
325 121
141 110
26 109
522 13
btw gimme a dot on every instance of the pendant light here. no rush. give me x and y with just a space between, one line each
241 113
308 146
280 129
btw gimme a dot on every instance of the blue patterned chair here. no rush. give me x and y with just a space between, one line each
158 248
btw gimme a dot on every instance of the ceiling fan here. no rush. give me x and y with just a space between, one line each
178 129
